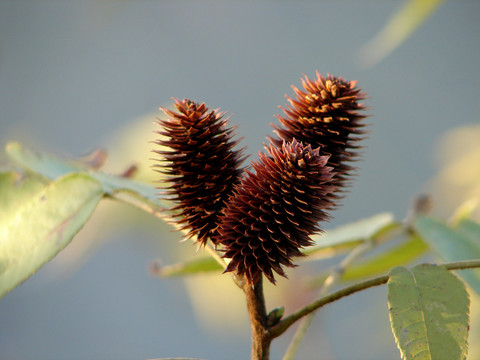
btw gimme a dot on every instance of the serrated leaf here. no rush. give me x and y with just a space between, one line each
451 245
428 309
42 223
401 254
191 267
349 235
52 167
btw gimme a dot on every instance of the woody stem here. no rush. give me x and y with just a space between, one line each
257 312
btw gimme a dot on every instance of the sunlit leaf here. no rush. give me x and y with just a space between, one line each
42 223
471 230
401 254
347 236
379 263
191 267
48 166
15 189
52 167
339 239
398 29
451 245
429 313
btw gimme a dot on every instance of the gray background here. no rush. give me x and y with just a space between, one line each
73 72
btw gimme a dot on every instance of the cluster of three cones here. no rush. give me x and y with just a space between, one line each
262 218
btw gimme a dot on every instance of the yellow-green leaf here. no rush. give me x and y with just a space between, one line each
15 189
347 236
52 167
190 267
401 254
41 223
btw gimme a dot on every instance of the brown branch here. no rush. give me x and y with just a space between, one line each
258 320
284 324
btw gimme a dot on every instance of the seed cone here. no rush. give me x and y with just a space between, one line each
325 115
200 164
273 212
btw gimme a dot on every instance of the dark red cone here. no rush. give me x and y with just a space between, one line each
201 166
273 212
326 115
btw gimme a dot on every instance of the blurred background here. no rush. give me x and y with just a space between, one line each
78 75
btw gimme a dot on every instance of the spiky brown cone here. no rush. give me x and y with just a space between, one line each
201 166
325 115
273 212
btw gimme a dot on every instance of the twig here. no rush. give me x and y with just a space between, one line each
284 324
335 274
258 320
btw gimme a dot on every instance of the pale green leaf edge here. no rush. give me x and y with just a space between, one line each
450 244
51 167
401 254
349 235
27 263
190 267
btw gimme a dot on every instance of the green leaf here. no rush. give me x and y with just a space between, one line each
451 245
398 29
46 165
429 310
471 230
347 236
41 223
342 238
52 167
194 266
401 254
15 189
